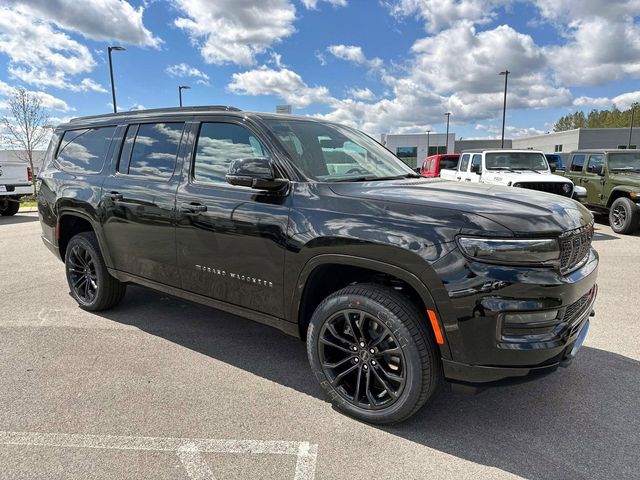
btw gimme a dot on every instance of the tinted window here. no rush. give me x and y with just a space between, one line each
449 162
84 151
594 161
477 160
219 144
464 164
516 161
155 150
577 162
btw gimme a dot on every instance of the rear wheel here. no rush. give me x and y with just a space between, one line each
369 347
9 207
90 283
623 216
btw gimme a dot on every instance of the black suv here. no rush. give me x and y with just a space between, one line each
395 281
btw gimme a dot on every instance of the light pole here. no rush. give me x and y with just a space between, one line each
428 145
180 88
446 141
504 105
113 87
633 112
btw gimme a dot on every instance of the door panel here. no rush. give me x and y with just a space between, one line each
592 181
139 203
231 245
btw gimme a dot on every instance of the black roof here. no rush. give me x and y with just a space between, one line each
604 150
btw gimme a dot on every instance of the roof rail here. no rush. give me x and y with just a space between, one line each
129 113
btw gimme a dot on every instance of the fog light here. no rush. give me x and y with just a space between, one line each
531 317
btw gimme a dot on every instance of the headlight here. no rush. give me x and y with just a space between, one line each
541 251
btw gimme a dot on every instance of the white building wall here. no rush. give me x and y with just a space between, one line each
419 140
569 140
580 138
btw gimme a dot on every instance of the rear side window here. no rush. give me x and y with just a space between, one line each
577 162
219 144
84 151
449 162
595 161
153 150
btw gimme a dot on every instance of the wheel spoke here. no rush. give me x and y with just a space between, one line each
78 282
388 351
355 328
356 393
367 390
336 364
383 336
335 345
337 335
339 377
385 385
86 289
391 376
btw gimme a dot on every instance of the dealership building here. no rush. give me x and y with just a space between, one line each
411 147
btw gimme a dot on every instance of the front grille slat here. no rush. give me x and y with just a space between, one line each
574 248
550 187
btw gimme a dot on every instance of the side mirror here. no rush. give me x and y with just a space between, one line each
597 169
553 168
475 168
255 173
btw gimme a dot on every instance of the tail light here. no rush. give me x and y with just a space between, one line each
29 174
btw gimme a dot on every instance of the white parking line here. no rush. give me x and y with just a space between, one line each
188 450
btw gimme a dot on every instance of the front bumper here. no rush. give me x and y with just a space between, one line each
483 348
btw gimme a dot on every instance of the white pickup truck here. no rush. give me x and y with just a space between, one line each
16 181
512 168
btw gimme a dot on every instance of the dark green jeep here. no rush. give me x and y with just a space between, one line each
612 180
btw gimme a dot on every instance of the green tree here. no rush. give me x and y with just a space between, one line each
613 118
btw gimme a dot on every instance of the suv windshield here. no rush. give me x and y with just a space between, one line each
624 161
516 161
333 153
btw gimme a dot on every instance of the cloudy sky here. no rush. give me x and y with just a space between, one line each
382 65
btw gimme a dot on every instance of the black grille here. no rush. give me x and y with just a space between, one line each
559 188
576 308
574 248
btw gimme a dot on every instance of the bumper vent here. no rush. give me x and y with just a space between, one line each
574 248
559 188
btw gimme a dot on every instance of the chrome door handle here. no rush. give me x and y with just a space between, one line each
192 207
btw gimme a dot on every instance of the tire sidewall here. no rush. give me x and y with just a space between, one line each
9 208
411 393
629 207
82 241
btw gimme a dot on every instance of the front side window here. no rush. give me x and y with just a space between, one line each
464 164
595 161
577 162
218 145
516 161
84 151
334 153
477 161
154 151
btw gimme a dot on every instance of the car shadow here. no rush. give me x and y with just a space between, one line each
18 218
579 422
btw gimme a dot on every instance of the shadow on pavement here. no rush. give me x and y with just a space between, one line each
18 218
580 422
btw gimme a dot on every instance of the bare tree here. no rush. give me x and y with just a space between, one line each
26 125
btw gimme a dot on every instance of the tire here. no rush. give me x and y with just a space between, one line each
407 352
85 269
623 216
9 208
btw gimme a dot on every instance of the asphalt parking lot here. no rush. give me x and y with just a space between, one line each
161 388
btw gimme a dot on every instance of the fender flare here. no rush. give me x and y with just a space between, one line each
72 212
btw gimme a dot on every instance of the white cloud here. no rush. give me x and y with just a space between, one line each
96 19
282 83
361 94
47 101
441 14
313 4
353 53
182 70
622 102
235 31
56 79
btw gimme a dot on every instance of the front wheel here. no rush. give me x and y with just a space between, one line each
623 216
90 283
369 347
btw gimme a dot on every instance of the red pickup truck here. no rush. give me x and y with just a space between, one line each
432 165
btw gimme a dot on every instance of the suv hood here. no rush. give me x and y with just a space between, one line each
627 178
524 212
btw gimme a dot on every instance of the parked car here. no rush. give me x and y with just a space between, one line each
432 165
393 280
555 161
513 168
15 182
612 181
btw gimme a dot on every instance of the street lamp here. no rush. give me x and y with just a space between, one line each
180 88
504 105
428 132
633 112
446 141
113 87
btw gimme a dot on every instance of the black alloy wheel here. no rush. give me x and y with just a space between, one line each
624 216
89 281
370 348
83 278
362 359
